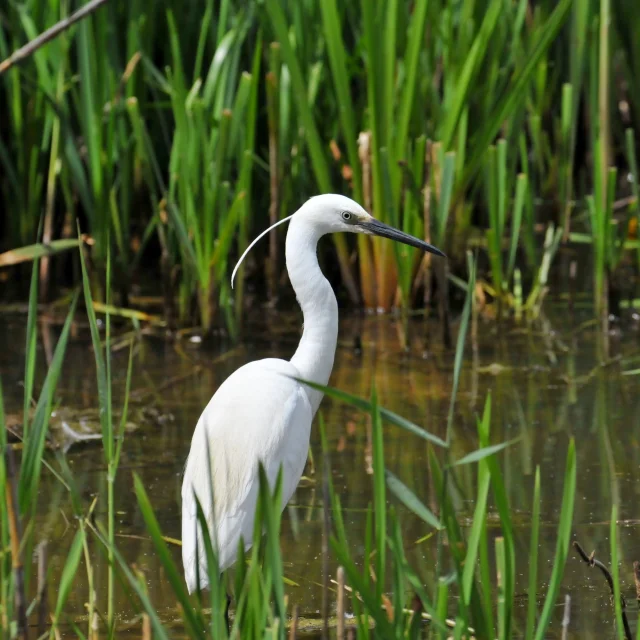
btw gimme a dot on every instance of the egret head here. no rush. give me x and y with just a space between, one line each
333 213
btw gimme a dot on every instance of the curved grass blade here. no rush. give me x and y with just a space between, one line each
158 627
271 515
479 522
218 629
562 547
36 251
68 574
35 442
193 619
365 405
411 501
485 452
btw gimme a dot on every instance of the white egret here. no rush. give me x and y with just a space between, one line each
260 412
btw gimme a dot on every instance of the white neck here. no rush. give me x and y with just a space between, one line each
316 351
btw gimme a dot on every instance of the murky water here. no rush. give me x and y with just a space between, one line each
545 386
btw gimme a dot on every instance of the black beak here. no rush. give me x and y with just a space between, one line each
377 228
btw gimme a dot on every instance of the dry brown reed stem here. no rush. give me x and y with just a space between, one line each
15 535
340 607
636 577
146 627
33 45
593 562
42 587
367 279
293 629
364 151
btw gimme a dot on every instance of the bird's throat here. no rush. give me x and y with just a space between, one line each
316 351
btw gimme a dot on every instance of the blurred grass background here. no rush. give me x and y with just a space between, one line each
175 133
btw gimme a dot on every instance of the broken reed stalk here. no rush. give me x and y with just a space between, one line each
95 627
340 605
592 561
15 535
566 616
33 45
146 627
293 629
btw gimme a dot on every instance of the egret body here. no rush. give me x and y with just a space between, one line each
260 412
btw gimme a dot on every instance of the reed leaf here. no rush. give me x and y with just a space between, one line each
563 540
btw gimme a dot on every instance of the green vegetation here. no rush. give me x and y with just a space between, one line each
500 124
470 584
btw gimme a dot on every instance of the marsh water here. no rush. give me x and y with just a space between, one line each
547 384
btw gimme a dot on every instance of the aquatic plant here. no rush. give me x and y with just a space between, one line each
388 596
469 133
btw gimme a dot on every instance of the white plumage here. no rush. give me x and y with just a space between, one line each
260 413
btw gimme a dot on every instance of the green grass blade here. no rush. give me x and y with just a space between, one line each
218 628
379 492
318 157
271 513
192 618
365 405
442 601
158 628
36 251
337 61
35 442
562 546
411 501
462 336
533 559
517 89
411 79
484 452
30 351
101 370
468 71
479 521
69 573
516 221
615 571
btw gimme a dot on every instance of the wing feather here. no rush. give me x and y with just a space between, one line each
258 413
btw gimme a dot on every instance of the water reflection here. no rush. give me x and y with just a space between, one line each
546 386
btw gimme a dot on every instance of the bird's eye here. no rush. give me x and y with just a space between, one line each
346 216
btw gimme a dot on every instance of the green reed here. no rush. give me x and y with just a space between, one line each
112 435
157 145
213 139
18 514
